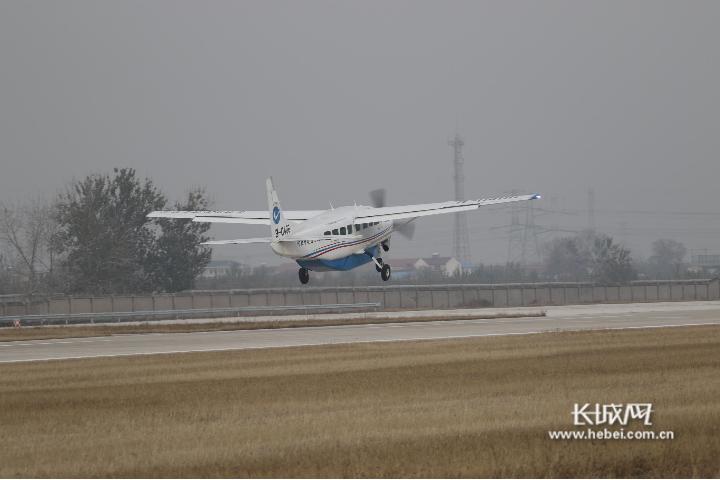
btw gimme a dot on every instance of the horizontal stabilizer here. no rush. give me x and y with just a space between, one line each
249 217
239 241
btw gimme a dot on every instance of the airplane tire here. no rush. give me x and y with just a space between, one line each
304 275
385 274
380 261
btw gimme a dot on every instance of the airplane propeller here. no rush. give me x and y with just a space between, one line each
406 228
378 197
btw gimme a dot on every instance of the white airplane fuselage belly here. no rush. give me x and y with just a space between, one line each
333 249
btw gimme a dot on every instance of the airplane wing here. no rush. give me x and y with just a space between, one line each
421 210
252 217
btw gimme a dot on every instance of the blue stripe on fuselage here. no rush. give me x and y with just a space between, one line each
345 263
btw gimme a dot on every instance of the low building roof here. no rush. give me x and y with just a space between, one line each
436 261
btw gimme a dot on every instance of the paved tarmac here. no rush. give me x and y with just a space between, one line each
566 318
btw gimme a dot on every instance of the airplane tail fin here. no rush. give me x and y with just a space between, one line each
279 226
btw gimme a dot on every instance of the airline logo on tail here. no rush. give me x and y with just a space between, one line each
276 215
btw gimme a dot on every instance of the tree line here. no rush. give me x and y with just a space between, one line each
592 256
95 238
586 257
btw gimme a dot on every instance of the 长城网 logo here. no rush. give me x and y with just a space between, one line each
611 413
612 421
276 215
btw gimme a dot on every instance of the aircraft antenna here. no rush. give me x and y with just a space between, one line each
461 238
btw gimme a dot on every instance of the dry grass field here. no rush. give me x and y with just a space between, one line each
476 407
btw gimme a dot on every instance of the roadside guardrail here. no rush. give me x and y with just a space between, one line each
151 315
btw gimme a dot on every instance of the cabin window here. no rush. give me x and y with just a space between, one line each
343 231
327 233
335 231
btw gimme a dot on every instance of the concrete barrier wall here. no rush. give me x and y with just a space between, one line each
164 302
392 297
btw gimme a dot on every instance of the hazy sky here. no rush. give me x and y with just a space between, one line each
337 98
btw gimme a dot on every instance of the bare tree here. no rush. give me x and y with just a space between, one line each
5 272
27 231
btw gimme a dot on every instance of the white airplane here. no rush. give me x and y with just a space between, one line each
337 239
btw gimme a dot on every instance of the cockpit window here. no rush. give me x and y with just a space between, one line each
349 229
327 233
335 231
343 231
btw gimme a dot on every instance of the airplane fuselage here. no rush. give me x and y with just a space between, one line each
336 254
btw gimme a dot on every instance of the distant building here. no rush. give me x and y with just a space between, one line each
708 263
403 267
220 269
448 266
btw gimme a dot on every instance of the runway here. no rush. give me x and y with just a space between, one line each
567 318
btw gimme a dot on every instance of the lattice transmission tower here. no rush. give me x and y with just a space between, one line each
461 237
524 233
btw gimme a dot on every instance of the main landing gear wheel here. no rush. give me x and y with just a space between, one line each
385 273
304 275
379 268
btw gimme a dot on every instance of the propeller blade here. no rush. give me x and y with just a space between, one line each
406 229
378 197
